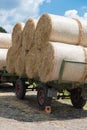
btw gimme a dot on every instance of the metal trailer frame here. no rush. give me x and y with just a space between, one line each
46 91
7 77
77 90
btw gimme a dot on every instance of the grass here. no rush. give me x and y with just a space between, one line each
86 104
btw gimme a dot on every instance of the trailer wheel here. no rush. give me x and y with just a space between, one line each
77 100
20 89
42 98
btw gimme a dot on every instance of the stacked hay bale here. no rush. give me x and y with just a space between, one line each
27 45
32 62
38 48
47 59
22 43
5 43
52 57
15 50
60 29
28 34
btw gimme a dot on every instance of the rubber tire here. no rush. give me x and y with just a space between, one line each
20 89
76 98
46 100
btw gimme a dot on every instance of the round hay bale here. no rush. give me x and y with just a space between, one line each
20 63
60 29
28 34
3 53
56 28
32 63
5 40
52 58
83 36
11 59
17 36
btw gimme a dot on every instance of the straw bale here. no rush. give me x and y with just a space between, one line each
3 53
20 63
15 50
84 76
56 28
32 62
84 33
80 31
52 58
60 29
17 35
5 40
11 59
28 34
82 24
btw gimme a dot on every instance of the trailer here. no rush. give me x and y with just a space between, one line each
47 91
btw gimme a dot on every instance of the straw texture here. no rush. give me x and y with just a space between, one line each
32 63
5 40
17 36
56 28
84 33
28 34
84 76
60 29
38 48
52 58
20 63
15 50
11 59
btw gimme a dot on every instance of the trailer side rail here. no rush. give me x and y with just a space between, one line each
62 70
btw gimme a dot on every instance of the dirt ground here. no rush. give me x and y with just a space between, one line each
25 114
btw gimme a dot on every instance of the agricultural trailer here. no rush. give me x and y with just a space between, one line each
77 91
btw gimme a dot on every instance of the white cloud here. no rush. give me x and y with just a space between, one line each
21 12
74 14
85 16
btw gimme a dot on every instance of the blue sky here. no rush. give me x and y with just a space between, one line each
13 11
61 6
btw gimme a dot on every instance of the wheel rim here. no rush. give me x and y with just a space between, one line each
41 97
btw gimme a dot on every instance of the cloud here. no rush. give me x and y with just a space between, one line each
71 13
74 14
13 11
85 16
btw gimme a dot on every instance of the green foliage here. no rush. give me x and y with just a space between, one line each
3 30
